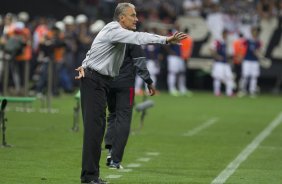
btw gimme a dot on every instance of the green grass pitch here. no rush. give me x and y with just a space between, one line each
46 151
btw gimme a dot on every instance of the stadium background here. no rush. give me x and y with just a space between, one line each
162 14
183 140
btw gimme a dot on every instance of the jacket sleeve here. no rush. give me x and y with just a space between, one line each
121 35
139 61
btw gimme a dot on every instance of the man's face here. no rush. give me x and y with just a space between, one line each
128 19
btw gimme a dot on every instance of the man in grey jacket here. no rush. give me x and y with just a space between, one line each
101 65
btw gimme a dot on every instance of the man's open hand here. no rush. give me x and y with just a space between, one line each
176 37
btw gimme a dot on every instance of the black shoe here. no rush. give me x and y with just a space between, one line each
99 181
115 165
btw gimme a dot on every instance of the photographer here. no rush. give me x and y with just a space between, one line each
51 51
13 43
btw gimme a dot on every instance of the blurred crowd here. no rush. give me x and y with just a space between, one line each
39 51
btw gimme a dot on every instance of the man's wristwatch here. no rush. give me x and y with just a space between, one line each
166 42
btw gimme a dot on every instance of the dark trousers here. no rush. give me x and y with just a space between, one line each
120 102
94 90
238 72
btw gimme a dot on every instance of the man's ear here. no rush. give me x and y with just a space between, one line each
121 17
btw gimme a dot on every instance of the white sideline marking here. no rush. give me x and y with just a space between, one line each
125 170
143 159
201 127
113 176
133 165
232 166
153 153
271 147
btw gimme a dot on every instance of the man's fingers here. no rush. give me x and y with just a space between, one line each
176 35
153 92
80 73
79 76
183 36
179 36
78 69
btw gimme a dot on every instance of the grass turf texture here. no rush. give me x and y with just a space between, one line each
45 150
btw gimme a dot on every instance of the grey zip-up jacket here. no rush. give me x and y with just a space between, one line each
108 48
134 63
